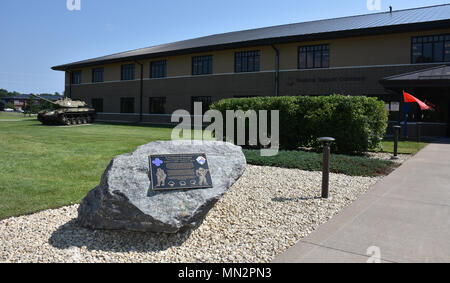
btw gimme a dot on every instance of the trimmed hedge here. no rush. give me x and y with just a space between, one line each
357 122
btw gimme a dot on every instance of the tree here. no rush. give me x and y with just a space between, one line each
10 105
31 107
4 93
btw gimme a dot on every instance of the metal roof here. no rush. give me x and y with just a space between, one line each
432 77
28 96
21 96
385 22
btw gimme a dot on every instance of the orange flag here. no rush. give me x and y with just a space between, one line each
410 99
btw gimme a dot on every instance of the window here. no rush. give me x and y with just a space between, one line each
157 105
97 75
313 57
128 72
393 106
438 52
76 77
158 69
248 61
447 48
430 49
97 103
202 65
127 105
326 56
205 100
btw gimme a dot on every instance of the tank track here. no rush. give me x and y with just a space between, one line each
69 119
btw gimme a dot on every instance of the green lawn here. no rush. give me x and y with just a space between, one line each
404 147
45 167
6 116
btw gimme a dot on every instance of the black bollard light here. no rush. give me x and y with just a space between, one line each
326 141
419 131
396 136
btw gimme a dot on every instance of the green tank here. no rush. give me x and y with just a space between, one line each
66 112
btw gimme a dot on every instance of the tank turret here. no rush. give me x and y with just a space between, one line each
66 112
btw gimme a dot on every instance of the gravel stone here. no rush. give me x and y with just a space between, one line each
267 211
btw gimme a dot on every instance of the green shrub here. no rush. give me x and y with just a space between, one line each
357 122
311 161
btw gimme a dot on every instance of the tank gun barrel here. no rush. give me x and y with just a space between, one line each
41 98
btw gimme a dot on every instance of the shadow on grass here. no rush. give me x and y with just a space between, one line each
60 126
72 235
137 124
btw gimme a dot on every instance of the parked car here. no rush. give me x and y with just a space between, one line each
19 111
8 110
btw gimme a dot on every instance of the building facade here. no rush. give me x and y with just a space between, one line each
21 101
348 56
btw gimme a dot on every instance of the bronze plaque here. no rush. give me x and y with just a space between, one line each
180 172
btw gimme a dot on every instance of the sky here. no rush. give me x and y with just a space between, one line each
36 35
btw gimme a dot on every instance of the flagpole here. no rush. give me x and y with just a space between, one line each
405 127
401 109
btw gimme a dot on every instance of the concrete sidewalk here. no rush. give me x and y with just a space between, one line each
406 216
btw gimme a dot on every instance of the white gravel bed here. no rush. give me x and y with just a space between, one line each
267 211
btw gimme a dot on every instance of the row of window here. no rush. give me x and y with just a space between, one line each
248 61
424 49
157 105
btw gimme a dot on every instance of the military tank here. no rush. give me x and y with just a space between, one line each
66 112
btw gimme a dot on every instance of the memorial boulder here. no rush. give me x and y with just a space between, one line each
162 186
